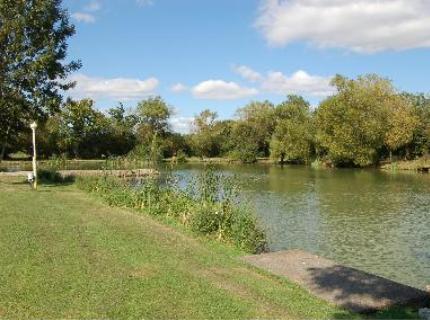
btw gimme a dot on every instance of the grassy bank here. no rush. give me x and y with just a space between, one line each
67 255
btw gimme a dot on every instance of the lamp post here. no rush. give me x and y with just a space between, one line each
33 127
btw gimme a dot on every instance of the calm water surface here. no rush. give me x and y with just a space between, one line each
375 221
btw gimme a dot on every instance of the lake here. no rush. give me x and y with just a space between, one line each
368 219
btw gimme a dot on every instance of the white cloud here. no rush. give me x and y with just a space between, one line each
93 6
84 17
144 3
117 88
299 82
181 124
178 88
221 90
360 25
247 73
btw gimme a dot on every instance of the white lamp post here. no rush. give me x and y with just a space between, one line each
33 127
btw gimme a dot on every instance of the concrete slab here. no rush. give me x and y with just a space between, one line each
347 287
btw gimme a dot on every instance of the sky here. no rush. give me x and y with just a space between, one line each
222 54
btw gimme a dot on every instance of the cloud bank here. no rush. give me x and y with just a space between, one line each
364 26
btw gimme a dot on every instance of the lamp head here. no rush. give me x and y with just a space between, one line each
33 125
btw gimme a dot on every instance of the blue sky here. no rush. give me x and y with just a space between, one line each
222 54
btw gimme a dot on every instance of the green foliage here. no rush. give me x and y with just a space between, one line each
402 124
245 142
261 117
292 139
205 142
181 157
420 144
208 205
79 130
33 46
352 125
153 113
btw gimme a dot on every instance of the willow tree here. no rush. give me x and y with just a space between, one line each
33 70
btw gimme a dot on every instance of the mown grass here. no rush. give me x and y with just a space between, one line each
65 254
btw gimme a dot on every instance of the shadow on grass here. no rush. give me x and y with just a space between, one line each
54 178
50 180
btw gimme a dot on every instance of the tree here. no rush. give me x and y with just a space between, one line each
152 126
204 139
245 142
33 71
351 125
420 143
292 139
261 116
123 138
154 113
402 124
85 132
223 130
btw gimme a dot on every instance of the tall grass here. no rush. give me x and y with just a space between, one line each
207 205
61 163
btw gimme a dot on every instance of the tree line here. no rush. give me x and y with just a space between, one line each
366 121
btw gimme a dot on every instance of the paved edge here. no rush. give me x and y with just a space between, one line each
346 287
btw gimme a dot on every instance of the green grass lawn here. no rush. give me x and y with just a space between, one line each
65 254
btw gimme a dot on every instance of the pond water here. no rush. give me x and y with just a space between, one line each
372 220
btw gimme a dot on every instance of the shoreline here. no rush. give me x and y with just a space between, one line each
419 165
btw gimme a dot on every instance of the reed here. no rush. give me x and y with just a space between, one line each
208 205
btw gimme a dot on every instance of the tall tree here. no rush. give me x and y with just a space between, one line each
152 126
154 113
204 139
292 139
260 116
352 124
402 123
33 71
123 126
245 142
420 144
